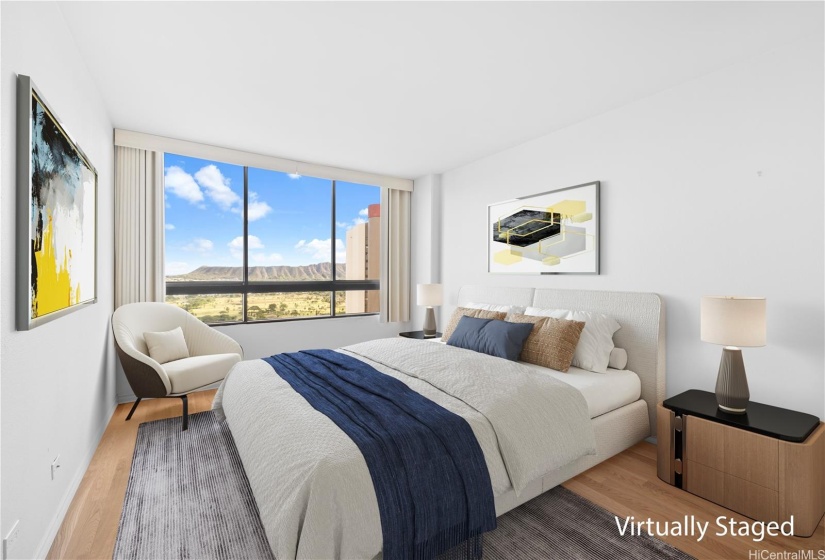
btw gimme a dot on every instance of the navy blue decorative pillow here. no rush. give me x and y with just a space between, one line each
491 336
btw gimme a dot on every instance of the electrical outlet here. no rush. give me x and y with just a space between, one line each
55 466
11 539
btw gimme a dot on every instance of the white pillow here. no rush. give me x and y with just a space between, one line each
618 358
494 307
596 341
166 346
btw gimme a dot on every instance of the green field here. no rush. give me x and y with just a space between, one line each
226 308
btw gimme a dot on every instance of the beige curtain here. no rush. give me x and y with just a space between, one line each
139 227
395 280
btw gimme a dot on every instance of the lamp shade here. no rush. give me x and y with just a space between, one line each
429 295
733 321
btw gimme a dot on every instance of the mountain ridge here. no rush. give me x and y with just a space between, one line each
318 271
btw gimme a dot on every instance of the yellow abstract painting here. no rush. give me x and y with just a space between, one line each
62 220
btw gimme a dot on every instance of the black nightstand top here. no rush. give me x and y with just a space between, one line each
419 335
771 421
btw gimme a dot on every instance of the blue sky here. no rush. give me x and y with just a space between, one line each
289 219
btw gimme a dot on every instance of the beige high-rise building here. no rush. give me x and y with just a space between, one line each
364 261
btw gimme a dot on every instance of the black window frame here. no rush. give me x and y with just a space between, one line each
245 287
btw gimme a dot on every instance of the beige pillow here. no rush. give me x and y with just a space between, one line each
166 346
552 342
477 313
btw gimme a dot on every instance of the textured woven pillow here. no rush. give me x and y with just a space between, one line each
552 342
496 307
462 311
593 351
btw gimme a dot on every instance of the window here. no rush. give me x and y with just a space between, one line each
248 245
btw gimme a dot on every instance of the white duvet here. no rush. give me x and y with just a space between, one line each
310 481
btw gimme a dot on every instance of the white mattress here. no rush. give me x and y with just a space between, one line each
602 391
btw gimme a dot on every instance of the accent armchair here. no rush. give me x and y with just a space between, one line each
211 353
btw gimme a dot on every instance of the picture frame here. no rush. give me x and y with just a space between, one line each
56 215
553 232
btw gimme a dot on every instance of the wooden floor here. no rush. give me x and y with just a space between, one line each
625 485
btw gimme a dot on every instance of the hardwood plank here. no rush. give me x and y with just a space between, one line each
609 486
89 529
625 485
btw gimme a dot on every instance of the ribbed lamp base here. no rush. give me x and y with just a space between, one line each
732 392
429 323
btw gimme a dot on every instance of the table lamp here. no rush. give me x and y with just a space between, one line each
733 322
429 295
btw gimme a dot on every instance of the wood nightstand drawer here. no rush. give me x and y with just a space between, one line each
766 478
745 455
732 492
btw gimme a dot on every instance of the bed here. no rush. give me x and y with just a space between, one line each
312 485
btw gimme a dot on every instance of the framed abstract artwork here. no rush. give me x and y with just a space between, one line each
56 215
555 232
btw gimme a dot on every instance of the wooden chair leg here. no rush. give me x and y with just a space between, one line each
185 413
134 406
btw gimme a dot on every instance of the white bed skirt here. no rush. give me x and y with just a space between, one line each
615 431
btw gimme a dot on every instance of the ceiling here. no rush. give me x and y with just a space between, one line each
403 89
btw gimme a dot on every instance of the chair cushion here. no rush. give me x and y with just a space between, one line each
191 373
166 346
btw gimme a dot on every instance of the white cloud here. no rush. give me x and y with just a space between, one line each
236 245
357 221
217 187
254 243
182 185
200 245
364 212
263 258
342 224
177 267
170 227
320 249
257 209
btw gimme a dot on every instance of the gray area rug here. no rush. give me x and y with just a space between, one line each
188 497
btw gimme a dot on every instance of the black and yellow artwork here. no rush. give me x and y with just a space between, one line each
549 233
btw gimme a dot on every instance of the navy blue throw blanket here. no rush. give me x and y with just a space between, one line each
428 470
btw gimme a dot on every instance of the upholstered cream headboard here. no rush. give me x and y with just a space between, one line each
641 315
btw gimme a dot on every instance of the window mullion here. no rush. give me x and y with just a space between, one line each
333 247
245 293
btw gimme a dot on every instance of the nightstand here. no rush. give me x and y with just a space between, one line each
419 335
766 464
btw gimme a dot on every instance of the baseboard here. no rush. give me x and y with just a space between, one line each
60 515
130 397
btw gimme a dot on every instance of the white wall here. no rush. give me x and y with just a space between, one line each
426 241
58 386
712 187
265 339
